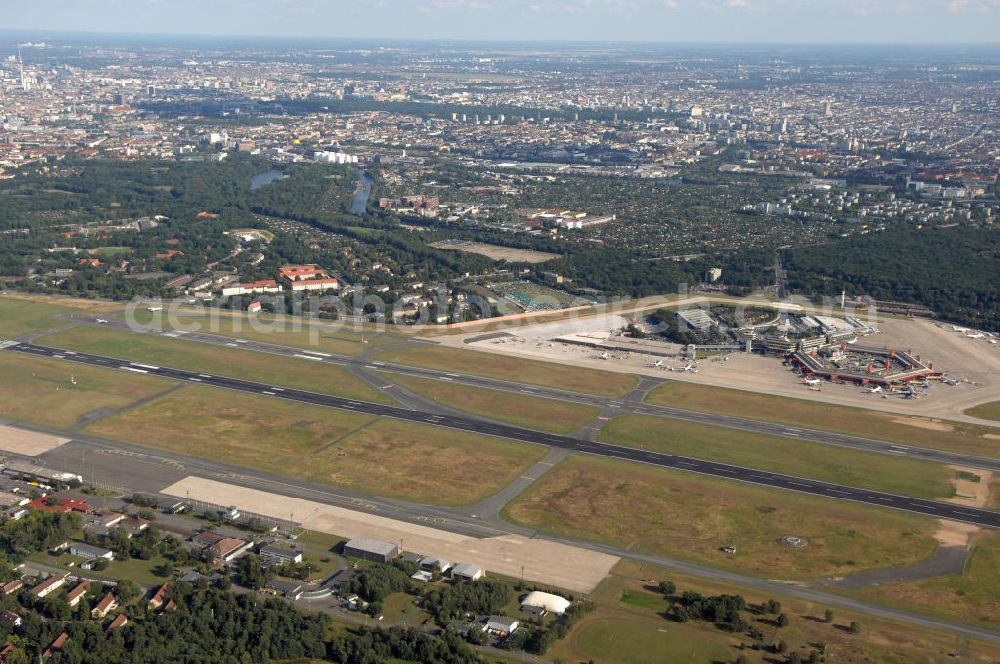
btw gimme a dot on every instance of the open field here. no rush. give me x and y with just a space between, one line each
41 391
422 463
911 477
918 431
498 253
624 597
389 458
973 596
194 356
19 317
516 369
532 412
986 411
688 516
627 641
550 563
323 336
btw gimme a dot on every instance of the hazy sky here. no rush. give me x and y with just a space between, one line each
559 20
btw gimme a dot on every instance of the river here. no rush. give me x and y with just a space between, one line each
360 203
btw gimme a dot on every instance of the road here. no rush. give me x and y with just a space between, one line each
630 404
979 517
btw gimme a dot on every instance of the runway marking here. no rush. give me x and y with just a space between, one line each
231 345
308 357
145 366
268 393
204 376
800 484
278 389
316 352
197 380
142 371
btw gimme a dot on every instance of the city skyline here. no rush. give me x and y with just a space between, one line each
685 21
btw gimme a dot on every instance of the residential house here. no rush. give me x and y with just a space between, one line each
78 592
49 585
107 604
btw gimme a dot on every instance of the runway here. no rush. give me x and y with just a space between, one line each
620 404
979 517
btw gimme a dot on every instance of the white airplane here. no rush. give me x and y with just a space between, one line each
656 364
875 390
604 355
687 367
811 380
102 321
948 381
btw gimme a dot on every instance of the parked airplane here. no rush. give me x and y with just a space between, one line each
656 364
101 320
687 367
877 388
949 381
812 380
604 355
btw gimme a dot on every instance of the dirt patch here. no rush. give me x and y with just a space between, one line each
991 436
970 493
497 252
28 443
920 423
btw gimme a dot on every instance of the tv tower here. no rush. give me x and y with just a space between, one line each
25 85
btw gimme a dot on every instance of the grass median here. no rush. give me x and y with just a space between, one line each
525 411
895 474
918 431
233 362
514 369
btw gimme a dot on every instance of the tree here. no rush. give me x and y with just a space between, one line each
855 627
668 587
783 620
781 646
127 591
795 657
828 615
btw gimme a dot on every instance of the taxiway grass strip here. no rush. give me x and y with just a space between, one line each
574 379
233 362
921 432
525 411
323 336
388 458
910 477
688 516
41 391
986 411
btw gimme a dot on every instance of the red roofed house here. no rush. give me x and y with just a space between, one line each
228 549
207 215
56 645
62 505
74 596
265 286
307 277
6 651
169 253
156 601
119 620
107 604
92 262
12 586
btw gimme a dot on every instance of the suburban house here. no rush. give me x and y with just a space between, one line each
78 592
11 619
12 586
107 604
156 601
49 585
56 645
501 626
119 620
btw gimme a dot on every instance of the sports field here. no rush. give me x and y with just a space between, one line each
388 458
517 369
41 391
195 356
909 430
911 477
532 412
689 516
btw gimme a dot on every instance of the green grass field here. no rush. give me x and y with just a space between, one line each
323 336
574 379
40 390
986 411
593 638
906 476
233 362
19 317
828 417
383 457
690 516
532 412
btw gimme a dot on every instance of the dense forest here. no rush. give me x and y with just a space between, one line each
954 271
